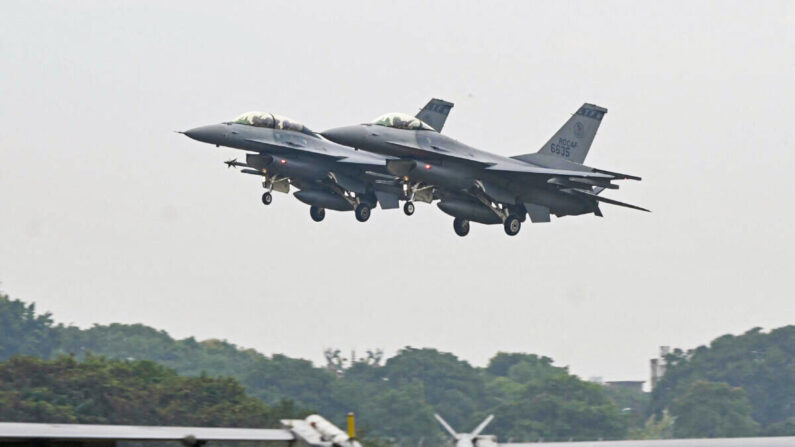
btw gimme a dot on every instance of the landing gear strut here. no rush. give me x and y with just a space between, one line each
267 198
512 225
408 208
461 226
362 212
317 214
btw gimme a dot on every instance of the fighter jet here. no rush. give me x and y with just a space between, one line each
286 153
474 439
478 186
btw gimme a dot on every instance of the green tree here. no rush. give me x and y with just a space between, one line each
713 410
759 363
24 332
103 391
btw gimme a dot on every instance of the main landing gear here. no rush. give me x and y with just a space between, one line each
362 212
267 198
512 225
317 214
408 208
461 226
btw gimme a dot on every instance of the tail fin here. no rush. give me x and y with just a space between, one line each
435 113
482 425
446 425
574 139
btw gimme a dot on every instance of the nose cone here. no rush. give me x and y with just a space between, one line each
348 136
213 134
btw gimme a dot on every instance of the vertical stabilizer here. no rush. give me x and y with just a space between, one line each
482 425
435 113
446 426
574 139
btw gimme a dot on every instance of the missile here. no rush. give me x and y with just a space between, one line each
234 163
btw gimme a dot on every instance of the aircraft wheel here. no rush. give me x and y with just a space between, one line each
316 213
362 212
267 198
461 226
408 208
512 225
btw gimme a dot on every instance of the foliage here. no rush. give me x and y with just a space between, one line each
713 410
632 402
24 332
530 396
762 364
102 391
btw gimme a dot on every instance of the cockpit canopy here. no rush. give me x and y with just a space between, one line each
272 121
401 121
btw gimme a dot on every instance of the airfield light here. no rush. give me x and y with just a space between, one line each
427 166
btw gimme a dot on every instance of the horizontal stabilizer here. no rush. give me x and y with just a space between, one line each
446 425
617 175
532 169
482 425
605 199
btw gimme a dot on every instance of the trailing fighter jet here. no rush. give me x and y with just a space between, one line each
474 439
478 186
285 152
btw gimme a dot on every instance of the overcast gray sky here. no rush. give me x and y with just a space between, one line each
106 215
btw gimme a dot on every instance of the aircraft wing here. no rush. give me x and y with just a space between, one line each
714 442
526 168
364 158
16 432
348 156
505 164
296 147
439 152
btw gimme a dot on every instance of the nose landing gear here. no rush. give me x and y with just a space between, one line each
408 208
267 198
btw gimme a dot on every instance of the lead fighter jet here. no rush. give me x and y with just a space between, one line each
479 186
285 152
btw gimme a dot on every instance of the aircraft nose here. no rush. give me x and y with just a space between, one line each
212 134
348 135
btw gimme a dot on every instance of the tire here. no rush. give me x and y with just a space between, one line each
512 225
267 198
408 208
461 226
317 214
362 212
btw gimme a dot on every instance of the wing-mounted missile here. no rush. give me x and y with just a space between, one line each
233 163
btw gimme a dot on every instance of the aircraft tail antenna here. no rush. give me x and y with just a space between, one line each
482 425
446 426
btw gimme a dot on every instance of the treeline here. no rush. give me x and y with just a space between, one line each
103 391
531 398
737 386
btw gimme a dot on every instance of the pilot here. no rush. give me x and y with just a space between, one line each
262 121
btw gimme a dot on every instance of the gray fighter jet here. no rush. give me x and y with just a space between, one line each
285 152
478 186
